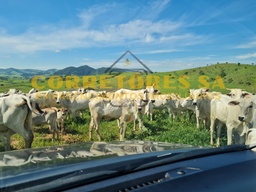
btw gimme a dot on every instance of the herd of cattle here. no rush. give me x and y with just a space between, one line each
20 112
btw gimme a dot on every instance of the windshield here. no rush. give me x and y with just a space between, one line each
178 72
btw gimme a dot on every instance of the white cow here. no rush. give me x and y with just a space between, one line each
49 117
75 102
124 111
159 102
187 104
227 111
248 109
202 102
146 94
43 99
16 117
143 109
13 91
251 137
62 114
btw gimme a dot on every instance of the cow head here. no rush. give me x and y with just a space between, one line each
60 96
151 91
235 93
186 102
196 94
63 112
246 105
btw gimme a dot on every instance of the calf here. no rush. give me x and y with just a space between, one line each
61 116
48 117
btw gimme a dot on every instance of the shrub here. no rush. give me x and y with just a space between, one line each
223 73
201 72
230 80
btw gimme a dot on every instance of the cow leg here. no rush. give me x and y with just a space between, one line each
118 123
28 137
97 128
134 125
122 130
8 139
170 113
197 119
27 134
207 123
151 116
52 132
229 134
219 128
212 130
90 128
139 117
56 130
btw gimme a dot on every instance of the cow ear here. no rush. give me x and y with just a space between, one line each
234 103
207 90
245 94
156 91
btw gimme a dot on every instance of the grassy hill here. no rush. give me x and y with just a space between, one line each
217 77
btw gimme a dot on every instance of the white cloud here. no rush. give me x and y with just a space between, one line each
88 33
160 51
246 56
251 44
149 38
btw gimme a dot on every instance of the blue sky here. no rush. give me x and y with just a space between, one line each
166 35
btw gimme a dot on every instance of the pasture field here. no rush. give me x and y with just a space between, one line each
161 129
217 77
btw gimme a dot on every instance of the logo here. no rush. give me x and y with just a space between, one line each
127 62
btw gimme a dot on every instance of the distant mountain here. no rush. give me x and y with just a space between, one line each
78 71
25 72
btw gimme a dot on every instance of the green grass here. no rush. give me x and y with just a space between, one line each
161 129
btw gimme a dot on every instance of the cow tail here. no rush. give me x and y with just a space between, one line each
26 101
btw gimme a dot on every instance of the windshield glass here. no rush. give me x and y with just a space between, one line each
178 72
